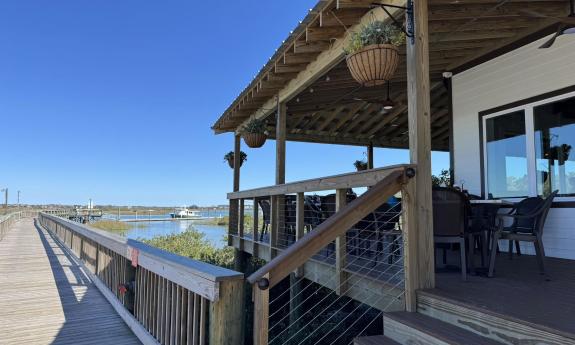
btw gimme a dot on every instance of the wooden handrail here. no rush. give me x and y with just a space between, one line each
364 178
197 276
163 297
302 250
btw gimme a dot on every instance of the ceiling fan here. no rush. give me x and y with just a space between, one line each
386 104
566 25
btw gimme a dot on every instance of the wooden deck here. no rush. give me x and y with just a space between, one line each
46 298
519 292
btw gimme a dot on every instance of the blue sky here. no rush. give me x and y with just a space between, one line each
113 100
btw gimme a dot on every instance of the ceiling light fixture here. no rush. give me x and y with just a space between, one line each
388 103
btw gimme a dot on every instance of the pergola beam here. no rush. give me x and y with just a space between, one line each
324 62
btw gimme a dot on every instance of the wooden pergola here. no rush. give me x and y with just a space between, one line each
307 94
325 105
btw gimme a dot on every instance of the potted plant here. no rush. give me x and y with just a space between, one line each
360 165
254 133
229 157
372 54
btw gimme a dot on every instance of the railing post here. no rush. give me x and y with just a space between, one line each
227 314
416 258
256 216
232 221
261 312
299 225
274 225
340 247
241 223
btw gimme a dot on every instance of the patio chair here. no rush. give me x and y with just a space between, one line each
528 223
387 230
266 210
451 222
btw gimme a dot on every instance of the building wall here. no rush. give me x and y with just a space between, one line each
522 73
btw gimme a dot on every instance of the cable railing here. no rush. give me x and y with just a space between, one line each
337 260
163 297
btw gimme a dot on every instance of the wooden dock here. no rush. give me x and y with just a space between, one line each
47 298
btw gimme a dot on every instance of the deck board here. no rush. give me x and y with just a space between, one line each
519 291
46 297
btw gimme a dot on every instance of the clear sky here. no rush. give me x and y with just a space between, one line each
113 100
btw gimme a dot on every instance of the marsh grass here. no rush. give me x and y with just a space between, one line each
193 244
111 225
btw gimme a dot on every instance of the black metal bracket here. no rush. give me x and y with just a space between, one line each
264 283
408 28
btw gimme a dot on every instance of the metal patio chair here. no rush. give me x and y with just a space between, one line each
529 218
451 222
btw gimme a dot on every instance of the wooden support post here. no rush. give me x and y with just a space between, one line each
340 247
370 156
237 162
234 203
279 220
419 260
227 314
281 144
256 229
261 314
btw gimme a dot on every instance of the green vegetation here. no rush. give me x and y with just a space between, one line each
229 157
193 244
225 221
257 126
111 225
376 32
443 180
360 165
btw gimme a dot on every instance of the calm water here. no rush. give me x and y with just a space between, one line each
147 230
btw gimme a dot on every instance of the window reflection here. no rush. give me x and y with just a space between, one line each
506 156
554 140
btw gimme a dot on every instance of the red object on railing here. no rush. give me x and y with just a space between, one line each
123 289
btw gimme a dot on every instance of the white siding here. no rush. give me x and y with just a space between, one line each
520 74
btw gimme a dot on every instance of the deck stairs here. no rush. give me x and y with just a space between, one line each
440 321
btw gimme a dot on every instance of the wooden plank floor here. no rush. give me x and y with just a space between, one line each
519 291
46 298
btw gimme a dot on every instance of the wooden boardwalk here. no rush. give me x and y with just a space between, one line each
46 297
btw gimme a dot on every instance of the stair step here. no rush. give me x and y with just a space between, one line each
415 328
487 323
375 340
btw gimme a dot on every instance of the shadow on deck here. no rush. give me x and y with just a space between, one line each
49 298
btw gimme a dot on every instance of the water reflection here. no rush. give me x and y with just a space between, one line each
157 226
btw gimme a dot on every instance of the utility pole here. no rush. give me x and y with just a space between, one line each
5 190
18 200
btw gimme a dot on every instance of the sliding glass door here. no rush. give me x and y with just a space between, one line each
554 142
530 150
506 156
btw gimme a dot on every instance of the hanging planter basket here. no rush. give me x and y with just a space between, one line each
231 163
374 64
255 140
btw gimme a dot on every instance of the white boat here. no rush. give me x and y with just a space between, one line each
185 213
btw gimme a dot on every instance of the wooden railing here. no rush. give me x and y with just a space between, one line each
382 184
164 298
8 220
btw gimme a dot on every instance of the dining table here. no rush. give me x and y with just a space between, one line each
484 213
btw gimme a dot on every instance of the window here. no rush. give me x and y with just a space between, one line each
554 142
530 150
506 156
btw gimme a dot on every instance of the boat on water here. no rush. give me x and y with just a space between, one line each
185 213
